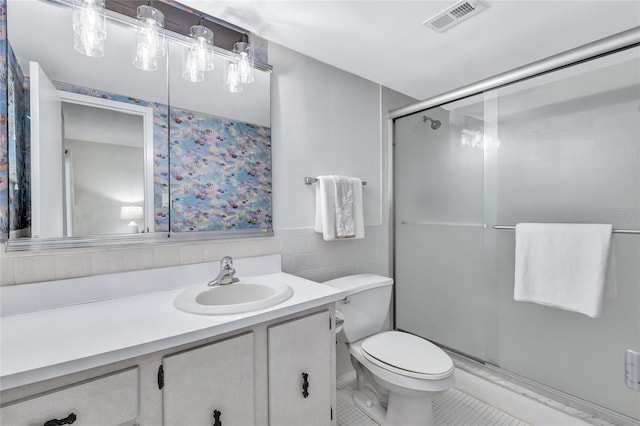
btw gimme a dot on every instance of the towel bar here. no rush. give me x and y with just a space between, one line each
615 231
311 180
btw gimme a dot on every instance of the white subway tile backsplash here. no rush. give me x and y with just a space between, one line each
307 255
140 258
346 269
107 261
164 256
72 265
7 271
30 269
317 275
288 264
296 245
304 253
191 253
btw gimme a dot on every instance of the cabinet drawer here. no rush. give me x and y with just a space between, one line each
107 400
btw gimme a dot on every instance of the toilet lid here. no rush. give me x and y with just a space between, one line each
406 352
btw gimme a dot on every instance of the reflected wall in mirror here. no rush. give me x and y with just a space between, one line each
46 68
106 197
218 142
220 152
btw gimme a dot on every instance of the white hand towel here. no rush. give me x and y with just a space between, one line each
339 208
562 265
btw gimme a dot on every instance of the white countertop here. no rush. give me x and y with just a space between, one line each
53 342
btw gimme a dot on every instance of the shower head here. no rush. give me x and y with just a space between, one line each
435 124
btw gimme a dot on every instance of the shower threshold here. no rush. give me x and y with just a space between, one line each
528 400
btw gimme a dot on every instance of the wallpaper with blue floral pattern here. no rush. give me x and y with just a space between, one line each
4 152
220 169
220 173
19 145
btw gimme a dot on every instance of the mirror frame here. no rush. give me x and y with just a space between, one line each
142 111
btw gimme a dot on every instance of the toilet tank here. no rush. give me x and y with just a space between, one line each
366 306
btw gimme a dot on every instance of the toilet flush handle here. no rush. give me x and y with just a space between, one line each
345 301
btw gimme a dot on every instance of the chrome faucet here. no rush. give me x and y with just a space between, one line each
225 276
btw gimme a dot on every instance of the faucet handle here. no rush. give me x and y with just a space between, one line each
226 262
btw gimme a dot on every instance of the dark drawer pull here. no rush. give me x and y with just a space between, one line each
216 418
305 385
59 422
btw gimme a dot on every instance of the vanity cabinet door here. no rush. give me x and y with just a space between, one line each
210 385
300 373
104 401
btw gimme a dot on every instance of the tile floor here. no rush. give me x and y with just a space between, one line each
450 408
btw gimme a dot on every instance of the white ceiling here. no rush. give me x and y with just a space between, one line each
385 41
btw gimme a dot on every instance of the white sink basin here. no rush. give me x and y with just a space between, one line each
244 296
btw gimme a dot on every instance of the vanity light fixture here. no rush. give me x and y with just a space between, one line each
89 27
89 24
199 54
150 41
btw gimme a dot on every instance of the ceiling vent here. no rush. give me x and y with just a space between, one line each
454 15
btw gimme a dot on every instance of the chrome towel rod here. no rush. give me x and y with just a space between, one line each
311 180
615 231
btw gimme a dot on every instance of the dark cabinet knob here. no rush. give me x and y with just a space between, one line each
59 422
305 385
216 418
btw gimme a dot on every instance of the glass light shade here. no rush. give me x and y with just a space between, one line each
89 16
191 70
89 27
150 39
144 60
203 44
245 61
199 55
232 77
87 44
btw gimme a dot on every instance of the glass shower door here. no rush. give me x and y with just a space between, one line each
563 147
439 219
570 153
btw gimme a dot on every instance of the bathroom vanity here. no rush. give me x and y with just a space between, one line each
123 355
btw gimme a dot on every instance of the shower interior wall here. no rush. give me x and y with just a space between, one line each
563 147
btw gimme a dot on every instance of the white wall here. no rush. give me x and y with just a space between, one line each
326 121
323 121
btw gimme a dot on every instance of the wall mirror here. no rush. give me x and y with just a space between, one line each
102 152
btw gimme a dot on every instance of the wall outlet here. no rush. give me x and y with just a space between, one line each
632 370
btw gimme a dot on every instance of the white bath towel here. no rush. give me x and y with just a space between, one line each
562 265
339 208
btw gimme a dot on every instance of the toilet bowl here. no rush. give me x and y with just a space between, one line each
398 373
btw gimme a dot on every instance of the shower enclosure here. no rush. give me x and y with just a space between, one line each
562 147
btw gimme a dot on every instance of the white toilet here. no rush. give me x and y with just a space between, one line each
398 373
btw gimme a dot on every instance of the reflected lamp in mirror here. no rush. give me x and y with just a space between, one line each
132 213
246 60
89 27
232 75
199 54
150 41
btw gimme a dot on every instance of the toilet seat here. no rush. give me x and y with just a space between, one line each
407 355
